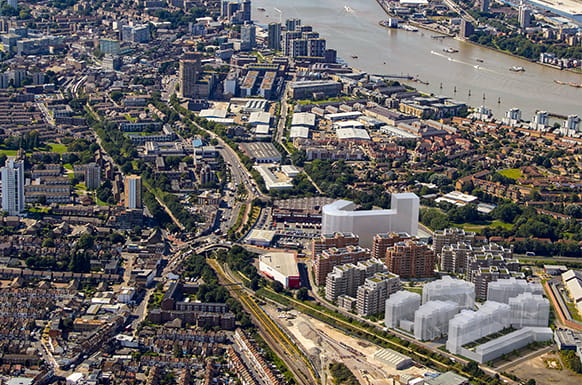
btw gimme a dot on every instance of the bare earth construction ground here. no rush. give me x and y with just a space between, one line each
325 345
537 368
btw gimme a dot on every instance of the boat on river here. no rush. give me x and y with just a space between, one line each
516 69
410 28
571 84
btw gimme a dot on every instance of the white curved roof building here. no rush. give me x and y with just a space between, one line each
340 216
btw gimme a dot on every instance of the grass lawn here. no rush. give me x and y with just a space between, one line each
471 226
68 166
44 210
60 148
478 227
417 290
9 152
498 223
574 311
99 202
513 173
80 187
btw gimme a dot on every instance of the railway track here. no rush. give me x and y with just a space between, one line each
352 329
280 342
371 336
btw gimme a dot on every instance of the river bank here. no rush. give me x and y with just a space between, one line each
395 51
436 30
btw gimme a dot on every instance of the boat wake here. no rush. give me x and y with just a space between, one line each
438 54
477 67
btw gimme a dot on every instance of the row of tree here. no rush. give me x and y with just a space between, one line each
211 290
522 46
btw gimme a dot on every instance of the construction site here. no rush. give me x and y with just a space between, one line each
371 364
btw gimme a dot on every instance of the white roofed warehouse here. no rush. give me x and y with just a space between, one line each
393 359
282 267
573 283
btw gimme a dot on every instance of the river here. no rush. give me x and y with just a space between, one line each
458 75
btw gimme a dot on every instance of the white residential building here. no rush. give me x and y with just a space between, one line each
528 309
431 320
469 326
371 296
340 216
504 289
448 289
13 186
401 306
345 279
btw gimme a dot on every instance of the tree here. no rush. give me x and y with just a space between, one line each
116 96
298 158
254 284
116 238
80 262
571 361
574 211
277 286
42 200
86 241
48 243
439 179
302 294
506 212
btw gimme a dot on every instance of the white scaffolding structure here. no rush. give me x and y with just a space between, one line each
528 309
401 306
469 326
431 320
449 289
504 289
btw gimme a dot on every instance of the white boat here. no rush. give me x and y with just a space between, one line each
410 28
517 69
348 9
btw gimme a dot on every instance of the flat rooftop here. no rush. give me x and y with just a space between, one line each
309 203
282 262
262 235
261 150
